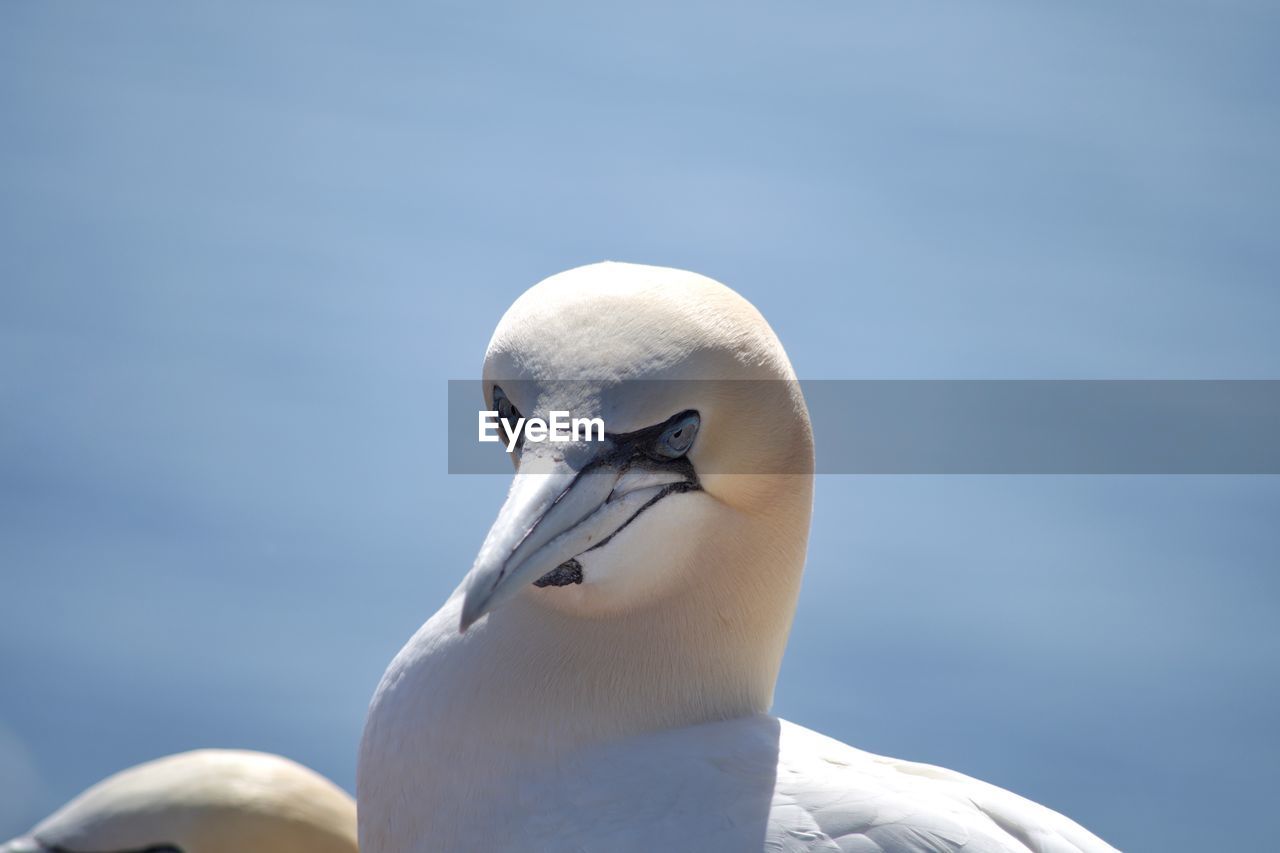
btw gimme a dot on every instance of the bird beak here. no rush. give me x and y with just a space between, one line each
555 511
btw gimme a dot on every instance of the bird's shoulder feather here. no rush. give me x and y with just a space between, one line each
765 784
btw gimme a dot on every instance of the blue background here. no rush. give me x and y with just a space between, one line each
243 247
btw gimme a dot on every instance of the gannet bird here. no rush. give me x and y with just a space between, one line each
601 679
207 801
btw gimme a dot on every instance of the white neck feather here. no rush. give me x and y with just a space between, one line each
458 716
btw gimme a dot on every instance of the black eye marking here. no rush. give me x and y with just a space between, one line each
667 442
508 414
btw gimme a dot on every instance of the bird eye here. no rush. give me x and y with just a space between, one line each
678 436
508 414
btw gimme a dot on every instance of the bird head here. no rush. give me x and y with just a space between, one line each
703 445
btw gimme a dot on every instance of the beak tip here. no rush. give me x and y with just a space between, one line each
473 607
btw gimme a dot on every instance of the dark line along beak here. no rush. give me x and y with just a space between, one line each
554 513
